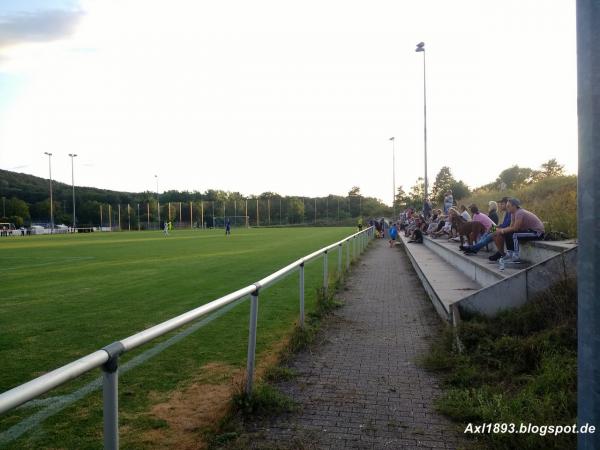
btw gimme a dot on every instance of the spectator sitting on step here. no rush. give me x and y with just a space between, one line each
416 232
442 228
435 220
481 217
524 226
493 212
489 237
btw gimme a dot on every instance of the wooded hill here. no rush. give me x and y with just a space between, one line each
26 199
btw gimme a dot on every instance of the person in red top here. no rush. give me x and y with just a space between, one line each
524 226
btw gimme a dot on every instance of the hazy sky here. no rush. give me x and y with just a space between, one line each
291 97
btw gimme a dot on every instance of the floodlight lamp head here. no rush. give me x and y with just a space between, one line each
420 47
392 138
46 153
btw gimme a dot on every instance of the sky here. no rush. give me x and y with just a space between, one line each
298 98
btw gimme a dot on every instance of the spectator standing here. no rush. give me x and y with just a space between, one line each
448 201
427 207
393 234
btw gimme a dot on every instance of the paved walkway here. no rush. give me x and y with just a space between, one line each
360 387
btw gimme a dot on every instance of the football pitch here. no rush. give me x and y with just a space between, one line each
64 296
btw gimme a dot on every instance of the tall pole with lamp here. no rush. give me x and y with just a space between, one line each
393 176
157 201
51 205
73 155
421 48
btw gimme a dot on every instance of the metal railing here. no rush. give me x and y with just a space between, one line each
107 357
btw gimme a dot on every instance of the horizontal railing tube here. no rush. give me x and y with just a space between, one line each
158 330
34 388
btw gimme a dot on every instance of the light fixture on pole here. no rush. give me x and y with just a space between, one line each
73 155
421 48
157 201
393 139
51 206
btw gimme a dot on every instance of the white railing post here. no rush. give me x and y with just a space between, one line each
110 397
301 291
252 341
340 251
325 273
348 254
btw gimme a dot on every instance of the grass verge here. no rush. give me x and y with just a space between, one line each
266 400
519 367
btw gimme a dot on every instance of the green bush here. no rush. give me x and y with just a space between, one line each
519 367
552 199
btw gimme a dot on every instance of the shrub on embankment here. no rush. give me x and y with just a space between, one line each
519 367
553 199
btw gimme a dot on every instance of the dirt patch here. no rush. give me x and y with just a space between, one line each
193 409
202 404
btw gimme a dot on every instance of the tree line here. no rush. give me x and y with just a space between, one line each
26 200
514 177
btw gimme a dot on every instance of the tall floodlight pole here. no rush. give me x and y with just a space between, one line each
73 155
393 175
421 48
588 208
51 205
157 201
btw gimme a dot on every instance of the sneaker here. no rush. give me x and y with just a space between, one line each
469 251
462 247
496 256
514 259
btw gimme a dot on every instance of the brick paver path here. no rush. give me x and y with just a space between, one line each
360 387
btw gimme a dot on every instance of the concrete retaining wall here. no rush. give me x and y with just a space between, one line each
521 287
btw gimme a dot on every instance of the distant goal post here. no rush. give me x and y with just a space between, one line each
236 221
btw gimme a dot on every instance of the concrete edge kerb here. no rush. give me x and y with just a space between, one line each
426 284
465 258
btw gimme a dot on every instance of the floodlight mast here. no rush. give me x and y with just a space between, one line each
157 201
73 155
393 176
421 48
51 205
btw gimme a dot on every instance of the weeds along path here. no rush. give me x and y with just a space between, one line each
360 385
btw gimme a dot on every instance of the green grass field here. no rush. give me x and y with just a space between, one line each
62 297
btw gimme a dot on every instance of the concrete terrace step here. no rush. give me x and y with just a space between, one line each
477 267
456 281
445 284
